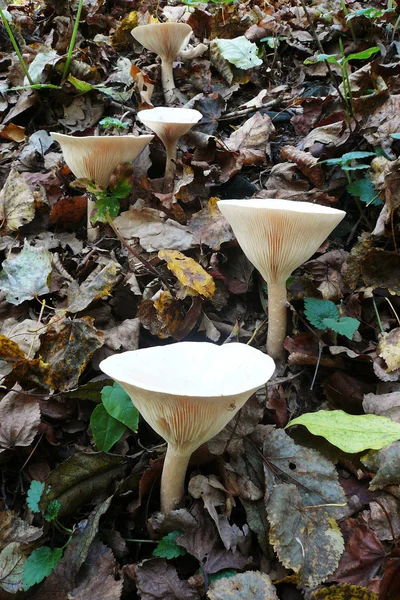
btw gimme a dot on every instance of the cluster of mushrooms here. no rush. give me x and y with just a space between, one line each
189 391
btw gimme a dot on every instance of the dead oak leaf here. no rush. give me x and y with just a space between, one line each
17 204
19 420
189 273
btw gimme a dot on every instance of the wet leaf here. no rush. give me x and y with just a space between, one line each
105 429
189 272
350 433
251 585
77 480
27 275
210 227
19 420
305 538
344 592
19 202
12 562
98 285
386 465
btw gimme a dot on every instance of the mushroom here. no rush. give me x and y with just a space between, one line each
166 40
277 236
170 124
96 157
188 392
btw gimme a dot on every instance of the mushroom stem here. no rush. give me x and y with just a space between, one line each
277 314
171 150
167 78
173 479
92 232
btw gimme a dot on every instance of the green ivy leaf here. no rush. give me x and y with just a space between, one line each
365 190
34 494
105 429
168 548
119 405
240 52
317 311
52 510
350 433
346 326
39 565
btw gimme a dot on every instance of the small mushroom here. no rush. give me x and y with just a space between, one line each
277 236
170 124
188 392
96 157
166 40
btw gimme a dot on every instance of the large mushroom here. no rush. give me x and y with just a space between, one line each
170 124
188 392
167 40
96 157
277 236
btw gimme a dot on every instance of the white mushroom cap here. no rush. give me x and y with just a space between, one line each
169 123
277 236
189 391
165 39
96 157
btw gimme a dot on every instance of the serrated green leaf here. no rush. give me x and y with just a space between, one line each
346 326
119 405
104 205
52 510
34 494
317 311
365 190
39 565
168 548
105 429
239 52
350 433
121 181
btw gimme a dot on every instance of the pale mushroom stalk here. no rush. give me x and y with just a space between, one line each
96 158
167 80
277 236
170 124
185 404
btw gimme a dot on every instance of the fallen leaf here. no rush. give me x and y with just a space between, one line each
157 580
19 420
251 585
189 272
26 276
251 139
18 202
383 517
12 562
307 164
386 464
389 348
98 285
210 227
14 529
9 350
381 268
12 132
69 212
385 404
96 578
304 537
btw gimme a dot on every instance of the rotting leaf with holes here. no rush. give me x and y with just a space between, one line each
77 480
305 538
189 273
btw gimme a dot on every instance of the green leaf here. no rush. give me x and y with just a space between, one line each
168 548
81 86
395 136
39 565
112 122
104 205
317 311
89 186
52 510
240 52
222 574
369 13
34 494
119 405
363 55
106 430
330 58
346 326
27 275
121 181
350 433
365 190
348 167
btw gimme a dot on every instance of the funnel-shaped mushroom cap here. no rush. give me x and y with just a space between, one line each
170 123
165 39
277 236
96 157
189 391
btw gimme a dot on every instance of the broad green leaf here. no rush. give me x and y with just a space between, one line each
106 430
27 275
363 55
346 326
240 52
39 565
81 86
168 548
12 562
317 311
112 122
305 538
365 190
350 433
349 156
34 494
386 464
119 405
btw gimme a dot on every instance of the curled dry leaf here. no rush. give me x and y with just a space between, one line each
19 420
251 139
307 164
14 529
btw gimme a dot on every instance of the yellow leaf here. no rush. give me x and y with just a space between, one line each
189 272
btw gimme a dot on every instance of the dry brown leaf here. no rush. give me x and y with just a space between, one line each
389 349
210 227
17 203
251 139
14 529
19 420
12 132
385 402
307 164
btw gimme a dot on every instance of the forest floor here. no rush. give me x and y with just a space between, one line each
301 102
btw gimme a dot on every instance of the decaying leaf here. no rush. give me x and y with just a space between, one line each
381 268
103 586
17 202
210 227
98 285
19 420
251 585
158 580
307 164
386 464
389 349
251 139
12 562
189 273
385 402
14 529
344 592
305 538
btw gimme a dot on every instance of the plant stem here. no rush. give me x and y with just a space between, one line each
378 317
92 232
72 42
346 12
167 79
15 46
277 315
173 480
